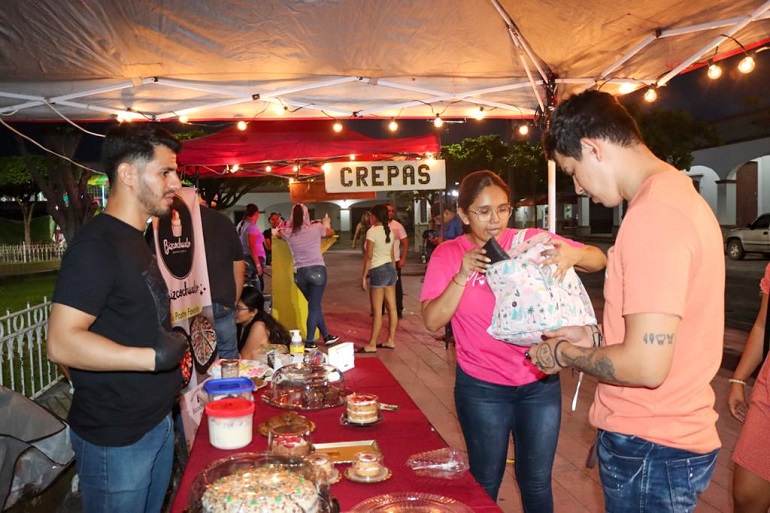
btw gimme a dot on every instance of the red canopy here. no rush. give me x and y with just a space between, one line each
286 143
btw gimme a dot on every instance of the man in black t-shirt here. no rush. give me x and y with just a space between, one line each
226 268
110 325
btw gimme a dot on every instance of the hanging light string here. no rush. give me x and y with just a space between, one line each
24 136
68 120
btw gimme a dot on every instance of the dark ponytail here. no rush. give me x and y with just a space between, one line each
380 212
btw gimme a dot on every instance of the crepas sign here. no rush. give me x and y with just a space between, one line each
403 175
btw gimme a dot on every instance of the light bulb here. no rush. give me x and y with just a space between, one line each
183 119
479 113
651 95
392 126
524 129
268 169
627 87
326 166
337 127
120 118
438 122
747 64
242 125
235 168
714 71
279 109
352 156
295 168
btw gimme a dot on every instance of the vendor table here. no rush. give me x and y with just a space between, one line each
400 434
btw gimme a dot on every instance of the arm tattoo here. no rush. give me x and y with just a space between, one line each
595 364
658 338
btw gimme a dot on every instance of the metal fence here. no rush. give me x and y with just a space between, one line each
24 365
26 253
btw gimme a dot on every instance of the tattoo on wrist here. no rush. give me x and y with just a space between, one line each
595 364
659 339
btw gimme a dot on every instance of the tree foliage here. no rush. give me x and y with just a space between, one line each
673 135
16 184
64 185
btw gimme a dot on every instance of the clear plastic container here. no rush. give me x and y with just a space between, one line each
229 388
230 423
307 386
290 440
255 483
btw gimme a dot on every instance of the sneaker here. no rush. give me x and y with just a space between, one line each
331 339
310 345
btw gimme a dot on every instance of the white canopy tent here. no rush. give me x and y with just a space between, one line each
243 59
246 59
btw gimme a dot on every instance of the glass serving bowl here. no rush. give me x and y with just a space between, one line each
260 483
307 386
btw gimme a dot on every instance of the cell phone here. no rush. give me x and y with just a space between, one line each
494 251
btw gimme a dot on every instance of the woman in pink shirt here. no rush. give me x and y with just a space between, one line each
498 393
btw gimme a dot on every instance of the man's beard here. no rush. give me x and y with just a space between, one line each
155 205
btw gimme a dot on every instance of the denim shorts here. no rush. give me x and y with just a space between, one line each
383 276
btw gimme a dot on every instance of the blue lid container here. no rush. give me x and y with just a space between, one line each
229 387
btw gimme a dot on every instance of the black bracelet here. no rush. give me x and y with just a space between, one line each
596 335
556 348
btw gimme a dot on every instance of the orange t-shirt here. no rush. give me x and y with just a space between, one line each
668 258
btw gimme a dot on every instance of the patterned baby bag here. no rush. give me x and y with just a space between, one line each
528 300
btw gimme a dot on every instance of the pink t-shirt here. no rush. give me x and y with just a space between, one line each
305 245
668 258
478 353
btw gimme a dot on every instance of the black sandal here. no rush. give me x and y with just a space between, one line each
362 350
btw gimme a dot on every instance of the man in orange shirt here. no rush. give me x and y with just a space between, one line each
663 327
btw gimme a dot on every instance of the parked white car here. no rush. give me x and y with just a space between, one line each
754 238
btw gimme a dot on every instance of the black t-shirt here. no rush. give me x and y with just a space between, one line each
109 272
223 247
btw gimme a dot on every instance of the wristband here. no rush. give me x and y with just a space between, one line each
555 356
596 335
737 381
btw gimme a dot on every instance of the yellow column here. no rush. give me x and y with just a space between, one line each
289 305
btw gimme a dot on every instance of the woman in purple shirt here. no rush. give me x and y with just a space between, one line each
304 239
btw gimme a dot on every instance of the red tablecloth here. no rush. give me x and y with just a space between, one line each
401 434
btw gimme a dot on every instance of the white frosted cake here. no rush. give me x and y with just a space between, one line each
260 490
363 408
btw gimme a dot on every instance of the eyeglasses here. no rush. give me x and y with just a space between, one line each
484 214
241 308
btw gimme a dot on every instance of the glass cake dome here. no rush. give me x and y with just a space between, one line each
260 483
307 386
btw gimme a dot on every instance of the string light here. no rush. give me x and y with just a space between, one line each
627 87
268 169
325 167
392 126
747 64
235 168
184 119
337 126
438 122
295 168
280 109
714 71
524 129
352 156
479 113
651 95
242 125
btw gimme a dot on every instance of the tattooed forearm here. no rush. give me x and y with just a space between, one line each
659 339
595 364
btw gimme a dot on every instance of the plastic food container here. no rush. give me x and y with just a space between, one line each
223 388
230 423
290 440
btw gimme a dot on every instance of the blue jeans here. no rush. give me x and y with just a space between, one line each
130 479
227 331
641 476
311 281
489 414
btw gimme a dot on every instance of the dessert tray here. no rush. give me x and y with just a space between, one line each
410 502
345 452
382 475
246 368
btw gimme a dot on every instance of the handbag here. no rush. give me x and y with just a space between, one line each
529 300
